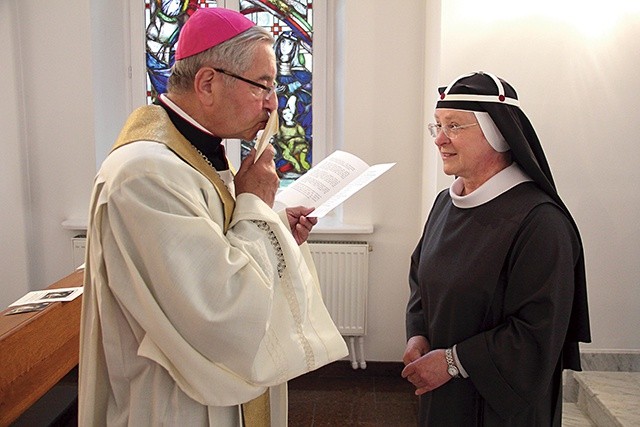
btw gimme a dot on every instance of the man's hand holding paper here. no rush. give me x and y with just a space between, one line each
329 183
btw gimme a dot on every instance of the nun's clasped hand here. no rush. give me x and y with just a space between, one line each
428 372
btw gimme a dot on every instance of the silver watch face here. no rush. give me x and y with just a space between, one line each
453 371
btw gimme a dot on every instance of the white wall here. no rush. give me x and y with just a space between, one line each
383 107
578 93
50 138
13 189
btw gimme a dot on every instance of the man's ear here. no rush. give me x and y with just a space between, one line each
203 84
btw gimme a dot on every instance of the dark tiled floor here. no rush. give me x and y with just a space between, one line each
337 395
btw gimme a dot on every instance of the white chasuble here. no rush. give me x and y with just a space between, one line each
183 321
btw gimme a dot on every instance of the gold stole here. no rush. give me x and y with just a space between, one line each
151 123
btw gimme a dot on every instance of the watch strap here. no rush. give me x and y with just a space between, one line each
452 369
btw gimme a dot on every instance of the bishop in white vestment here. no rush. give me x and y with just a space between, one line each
195 301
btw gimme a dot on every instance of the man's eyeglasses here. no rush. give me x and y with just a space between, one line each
450 131
268 91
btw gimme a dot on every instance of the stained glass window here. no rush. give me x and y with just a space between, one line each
163 21
291 24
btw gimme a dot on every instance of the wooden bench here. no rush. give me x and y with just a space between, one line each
37 350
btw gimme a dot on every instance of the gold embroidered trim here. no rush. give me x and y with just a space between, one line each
151 123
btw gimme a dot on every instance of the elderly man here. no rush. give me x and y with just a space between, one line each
498 292
198 305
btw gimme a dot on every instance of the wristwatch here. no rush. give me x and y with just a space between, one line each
452 369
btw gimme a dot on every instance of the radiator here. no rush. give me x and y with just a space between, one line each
343 269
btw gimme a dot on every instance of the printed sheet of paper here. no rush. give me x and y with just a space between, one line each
27 308
49 295
329 183
269 130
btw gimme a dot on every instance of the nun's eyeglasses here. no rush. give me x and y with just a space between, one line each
450 131
266 90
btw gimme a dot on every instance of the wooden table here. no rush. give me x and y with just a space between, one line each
36 350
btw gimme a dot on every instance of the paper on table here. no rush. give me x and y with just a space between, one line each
49 295
270 129
329 183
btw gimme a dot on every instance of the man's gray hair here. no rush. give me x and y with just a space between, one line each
234 55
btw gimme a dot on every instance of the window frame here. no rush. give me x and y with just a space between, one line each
328 84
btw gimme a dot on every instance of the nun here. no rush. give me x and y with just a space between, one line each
498 300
